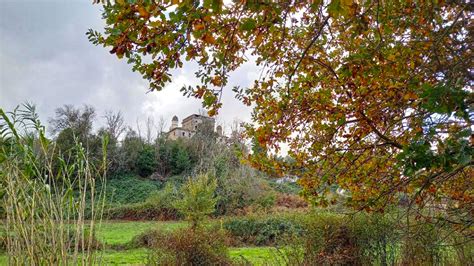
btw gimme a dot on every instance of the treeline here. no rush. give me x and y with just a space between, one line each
155 157
150 155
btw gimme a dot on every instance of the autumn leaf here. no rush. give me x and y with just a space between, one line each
208 38
142 11
372 101
216 81
258 39
199 26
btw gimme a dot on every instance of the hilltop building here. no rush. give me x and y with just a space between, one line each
190 126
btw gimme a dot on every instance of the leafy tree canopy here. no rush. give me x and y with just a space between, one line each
371 96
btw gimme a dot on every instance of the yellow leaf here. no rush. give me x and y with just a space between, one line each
410 96
258 39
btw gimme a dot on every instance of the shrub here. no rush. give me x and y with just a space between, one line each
290 201
261 232
163 198
266 201
142 211
198 199
329 240
185 247
241 189
375 239
158 206
378 237
336 239
127 189
432 244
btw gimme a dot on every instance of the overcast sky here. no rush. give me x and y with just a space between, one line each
46 59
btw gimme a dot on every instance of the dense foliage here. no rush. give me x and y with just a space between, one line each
140 166
370 96
262 231
185 247
198 199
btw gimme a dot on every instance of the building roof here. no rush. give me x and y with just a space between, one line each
197 116
180 128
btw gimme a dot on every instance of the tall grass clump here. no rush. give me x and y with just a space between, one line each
44 194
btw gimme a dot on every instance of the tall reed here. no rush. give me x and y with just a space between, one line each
46 194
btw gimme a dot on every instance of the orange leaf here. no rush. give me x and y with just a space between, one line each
143 12
199 26
208 38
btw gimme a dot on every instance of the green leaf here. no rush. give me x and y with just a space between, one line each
339 8
248 24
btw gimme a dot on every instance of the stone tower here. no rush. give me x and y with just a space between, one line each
219 131
174 122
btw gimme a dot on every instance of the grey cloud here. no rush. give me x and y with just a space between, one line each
45 58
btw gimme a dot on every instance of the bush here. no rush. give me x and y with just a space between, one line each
242 190
128 189
335 239
266 201
158 206
375 239
428 244
198 199
261 232
185 247
146 161
329 240
290 201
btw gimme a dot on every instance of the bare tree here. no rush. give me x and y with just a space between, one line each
236 128
149 125
114 124
138 128
160 127
67 116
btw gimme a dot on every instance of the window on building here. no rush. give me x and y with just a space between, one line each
184 134
195 127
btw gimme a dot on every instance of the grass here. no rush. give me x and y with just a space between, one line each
121 232
254 255
127 257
